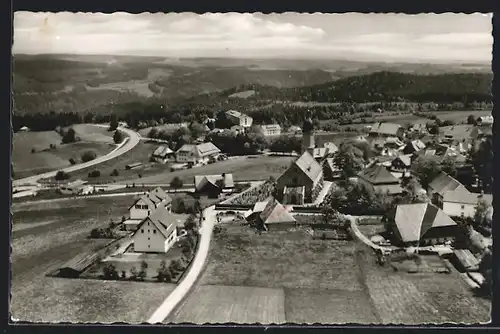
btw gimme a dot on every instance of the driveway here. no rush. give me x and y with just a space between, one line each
130 142
176 296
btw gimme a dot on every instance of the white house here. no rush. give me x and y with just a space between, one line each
75 188
462 203
485 120
270 130
156 233
145 205
442 184
197 154
163 154
238 118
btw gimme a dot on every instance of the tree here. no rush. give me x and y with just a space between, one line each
113 123
61 175
449 166
197 130
480 212
426 169
471 119
115 172
69 136
349 159
481 159
88 156
163 272
109 271
133 273
142 273
176 183
118 137
94 173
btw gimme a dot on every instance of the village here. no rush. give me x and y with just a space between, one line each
328 192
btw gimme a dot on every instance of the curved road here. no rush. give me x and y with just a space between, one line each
130 142
176 296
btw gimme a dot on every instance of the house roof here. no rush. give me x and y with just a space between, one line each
463 196
275 213
318 152
385 128
200 181
160 193
486 119
331 147
405 159
163 220
466 258
413 221
270 127
417 145
260 206
390 189
81 262
443 183
377 174
394 140
162 151
201 150
309 166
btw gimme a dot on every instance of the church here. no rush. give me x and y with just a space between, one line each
303 180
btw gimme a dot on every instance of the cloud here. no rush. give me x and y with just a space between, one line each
220 34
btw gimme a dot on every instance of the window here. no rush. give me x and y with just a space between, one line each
142 230
148 223
149 238
148 231
462 207
154 231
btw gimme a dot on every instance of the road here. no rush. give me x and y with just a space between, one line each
362 237
130 142
176 296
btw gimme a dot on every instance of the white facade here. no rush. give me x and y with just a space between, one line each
270 130
240 119
148 238
459 209
186 156
140 210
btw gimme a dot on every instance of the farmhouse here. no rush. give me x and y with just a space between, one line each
270 130
253 213
77 187
413 146
275 217
379 179
163 154
305 177
144 205
213 185
401 163
386 130
238 118
157 232
295 129
197 154
485 120
440 185
420 224
462 203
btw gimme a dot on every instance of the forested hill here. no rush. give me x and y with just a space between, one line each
385 86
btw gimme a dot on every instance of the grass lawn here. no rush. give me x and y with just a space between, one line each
333 281
92 133
328 307
45 159
238 304
45 236
80 300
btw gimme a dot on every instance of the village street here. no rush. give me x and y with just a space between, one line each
128 143
176 296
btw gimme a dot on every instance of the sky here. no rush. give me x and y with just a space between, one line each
438 38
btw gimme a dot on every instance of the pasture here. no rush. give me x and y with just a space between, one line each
92 133
238 304
45 236
43 159
329 282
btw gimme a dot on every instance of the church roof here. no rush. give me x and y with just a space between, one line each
309 166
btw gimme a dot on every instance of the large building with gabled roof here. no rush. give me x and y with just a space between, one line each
301 182
420 224
197 154
378 179
144 205
442 184
276 216
157 232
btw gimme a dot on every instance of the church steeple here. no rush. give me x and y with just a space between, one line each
307 134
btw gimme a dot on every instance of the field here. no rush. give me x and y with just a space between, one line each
92 133
45 159
248 305
46 235
326 282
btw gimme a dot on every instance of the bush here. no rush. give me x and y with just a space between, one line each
117 137
142 273
72 161
94 173
115 172
88 156
61 175
176 183
69 136
109 271
33 150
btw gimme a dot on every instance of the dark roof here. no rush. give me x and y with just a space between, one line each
160 193
377 174
163 220
413 221
463 196
162 151
443 183
275 213
200 181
